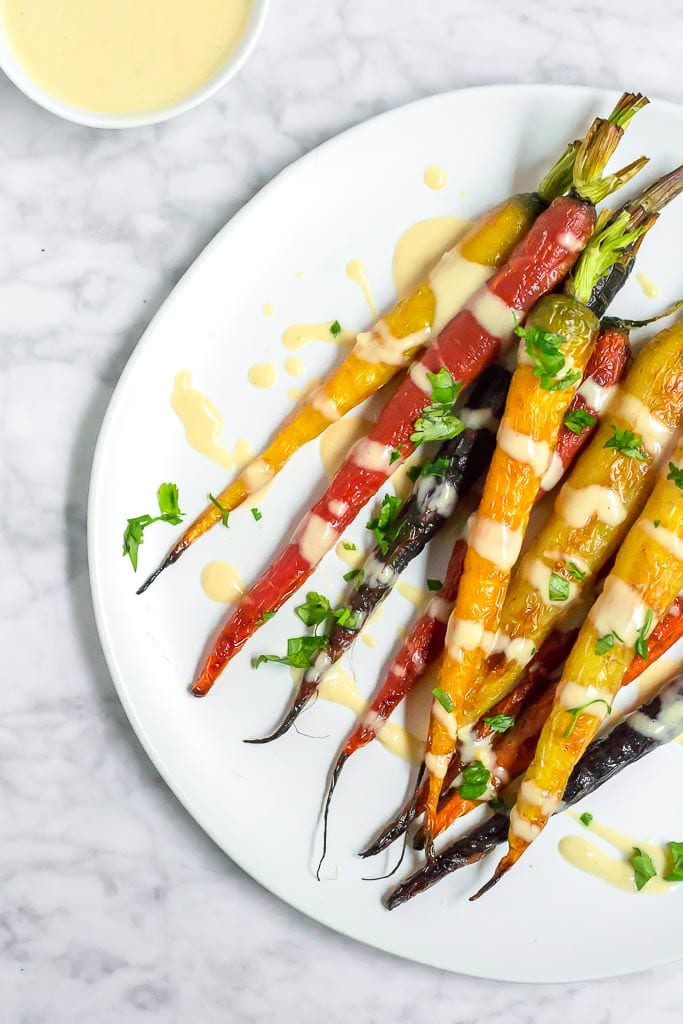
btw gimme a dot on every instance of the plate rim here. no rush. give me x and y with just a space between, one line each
155 756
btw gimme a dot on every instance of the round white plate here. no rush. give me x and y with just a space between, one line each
351 198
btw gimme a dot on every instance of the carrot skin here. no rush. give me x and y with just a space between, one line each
465 348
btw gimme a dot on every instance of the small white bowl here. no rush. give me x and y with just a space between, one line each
17 74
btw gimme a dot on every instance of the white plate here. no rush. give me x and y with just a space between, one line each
351 198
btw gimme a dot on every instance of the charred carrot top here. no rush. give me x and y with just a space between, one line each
645 581
593 510
468 343
393 341
642 732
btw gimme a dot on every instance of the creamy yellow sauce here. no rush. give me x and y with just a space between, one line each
414 595
204 425
268 309
369 639
352 558
647 284
123 56
337 440
298 335
355 271
294 366
400 480
340 688
420 247
221 582
616 870
262 375
435 177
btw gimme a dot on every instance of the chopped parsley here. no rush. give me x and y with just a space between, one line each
475 780
627 443
439 467
558 587
499 723
443 699
643 868
169 512
434 584
349 546
315 609
265 617
586 818
577 420
643 633
413 473
676 873
301 652
437 421
225 515
575 712
676 475
345 618
605 643
578 574
256 514
395 456
335 328
656 523
355 574
386 526
543 349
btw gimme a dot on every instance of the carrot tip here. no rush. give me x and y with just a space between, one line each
171 557
503 867
300 702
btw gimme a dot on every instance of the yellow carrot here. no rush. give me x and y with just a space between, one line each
557 341
647 577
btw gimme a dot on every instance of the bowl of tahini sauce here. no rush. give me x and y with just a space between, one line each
125 63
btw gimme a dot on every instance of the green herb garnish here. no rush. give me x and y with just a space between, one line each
355 574
434 584
225 515
499 723
586 818
439 467
315 609
345 618
301 651
627 443
437 421
643 633
558 587
475 780
335 328
256 514
577 420
676 475
643 868
169 512
676 873
385 526
575 712
543 349
605 643
578 574
413 473
349 546
443 699
395 456
265 617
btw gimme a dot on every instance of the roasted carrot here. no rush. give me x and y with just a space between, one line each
459 462
397 337
592 513
663 636
646 579
469 342
535 680
643 731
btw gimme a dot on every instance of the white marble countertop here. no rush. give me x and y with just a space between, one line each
115 907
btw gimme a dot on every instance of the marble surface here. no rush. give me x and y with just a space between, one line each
114 906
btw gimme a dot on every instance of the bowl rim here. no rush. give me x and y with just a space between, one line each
15 71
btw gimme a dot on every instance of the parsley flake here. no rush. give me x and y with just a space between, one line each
586 818
443 698
434 585
301 651
437 421
225 515
627 443
256 514
558 587
643 633
575 712
605 643
643 868
675 474
575 572
577 420
169 512
386 525
676 873
499 723
543 349
335 328
475 780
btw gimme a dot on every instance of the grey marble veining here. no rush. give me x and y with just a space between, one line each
114 906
